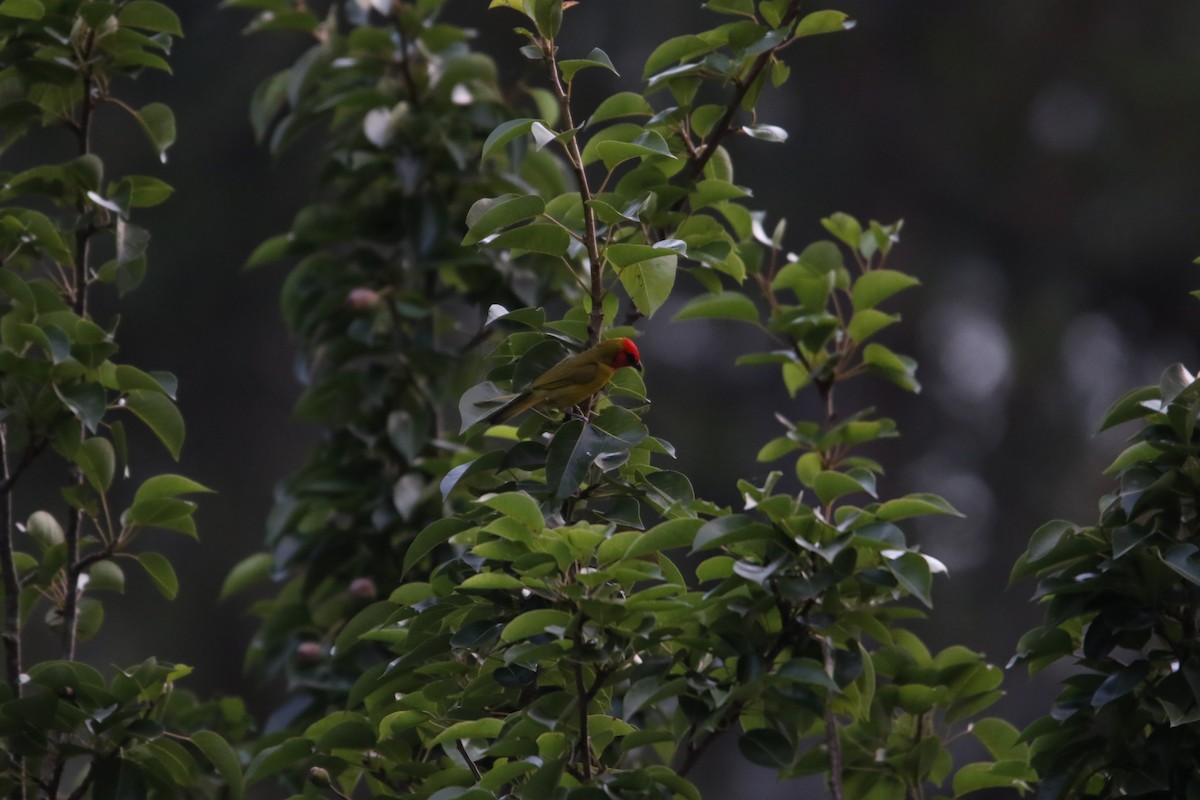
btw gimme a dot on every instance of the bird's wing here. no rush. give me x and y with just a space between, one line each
567 374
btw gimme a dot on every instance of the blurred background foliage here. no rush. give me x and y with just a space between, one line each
1040 155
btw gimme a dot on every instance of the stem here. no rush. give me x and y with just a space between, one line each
71 590
832 743
590 238
83 247
12 585
462 749
725 125
585 745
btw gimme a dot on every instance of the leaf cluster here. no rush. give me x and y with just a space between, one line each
1121 599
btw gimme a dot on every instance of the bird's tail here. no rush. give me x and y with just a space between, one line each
519 404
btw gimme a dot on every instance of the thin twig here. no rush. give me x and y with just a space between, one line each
724 126
590 238
12 585
832 742
71 582
585 744
462 749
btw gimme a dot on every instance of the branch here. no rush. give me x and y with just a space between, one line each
8 573
585 745
462 749
725 125
590 238
71 588
832 743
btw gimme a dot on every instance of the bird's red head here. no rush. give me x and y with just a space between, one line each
628 355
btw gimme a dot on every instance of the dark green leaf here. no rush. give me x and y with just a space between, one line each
149 16
277 758
22 9
505 133
490 215
97 461
223 757
823 22
596 58
250 570
767 748
160 415
158 122
161 572
726 305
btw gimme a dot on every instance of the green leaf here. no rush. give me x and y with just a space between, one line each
45 530
1135 453
649 282
107 576
648 143
900 370
621 104
97 461
86 401
831 485
1181 558
675 50
167 485
275 759
1005 774
845 227
145 191
161 572
224 758
485 728
596 58
1000 738
868 322
915 505
824 22
669 535
491 581
536 238
912 571
547 15
872 288
1129 407
500 212
505 133
160 415
22 9
158 123
436 533
766 133
1047 537
520 507
767 748
1121 683
532 623
252 569
726 305
149 16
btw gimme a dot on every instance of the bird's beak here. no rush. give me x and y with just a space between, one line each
637 365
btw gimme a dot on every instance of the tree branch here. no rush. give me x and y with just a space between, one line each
591 239
832 743
724 126
8 573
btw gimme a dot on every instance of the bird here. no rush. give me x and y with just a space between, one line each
572 380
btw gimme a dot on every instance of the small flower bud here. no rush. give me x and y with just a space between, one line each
362 298
308 653
363 587
319 776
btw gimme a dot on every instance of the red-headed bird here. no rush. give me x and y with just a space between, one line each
572 380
